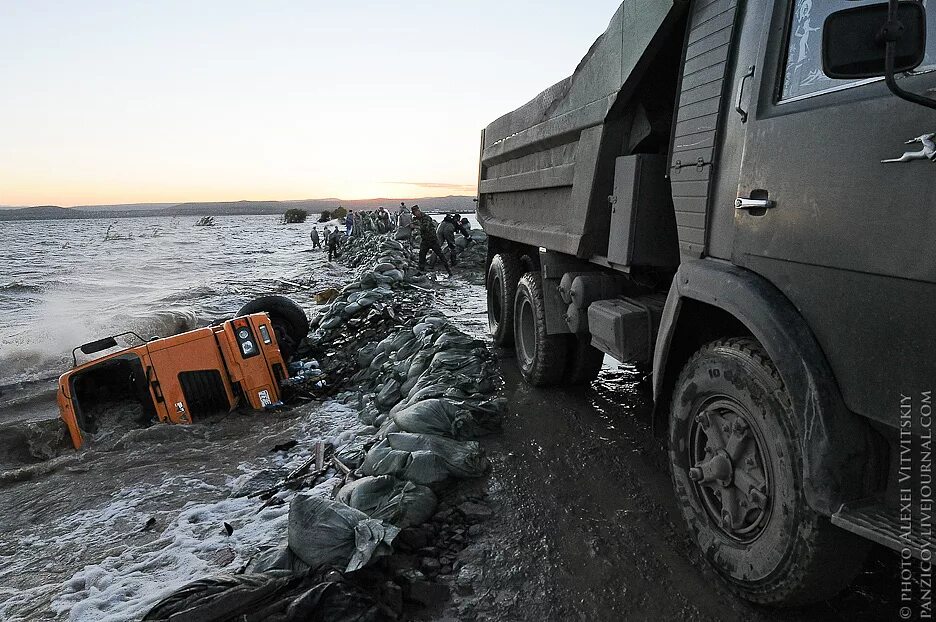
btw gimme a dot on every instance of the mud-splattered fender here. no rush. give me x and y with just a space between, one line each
835 441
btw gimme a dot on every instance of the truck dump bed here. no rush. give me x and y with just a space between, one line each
547 168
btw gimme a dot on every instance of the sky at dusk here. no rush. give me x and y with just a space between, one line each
172 101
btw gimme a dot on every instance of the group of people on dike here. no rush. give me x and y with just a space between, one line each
406 221
332 240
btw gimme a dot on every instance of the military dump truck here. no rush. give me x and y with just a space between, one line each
240 361
739 197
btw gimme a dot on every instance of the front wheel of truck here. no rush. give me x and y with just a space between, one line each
737 468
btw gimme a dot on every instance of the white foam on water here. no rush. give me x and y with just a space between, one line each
193 544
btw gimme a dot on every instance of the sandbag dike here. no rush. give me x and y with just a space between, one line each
378 516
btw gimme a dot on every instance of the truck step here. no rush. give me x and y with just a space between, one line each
882 525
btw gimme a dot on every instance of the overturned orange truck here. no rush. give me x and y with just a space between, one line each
235 362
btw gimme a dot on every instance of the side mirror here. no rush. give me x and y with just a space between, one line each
854 41
99 345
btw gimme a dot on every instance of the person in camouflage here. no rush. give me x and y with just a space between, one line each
428 240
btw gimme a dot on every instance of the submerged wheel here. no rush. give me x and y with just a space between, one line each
502 278
584 360
737 469
287 318
540 356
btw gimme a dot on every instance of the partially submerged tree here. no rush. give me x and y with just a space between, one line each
295 216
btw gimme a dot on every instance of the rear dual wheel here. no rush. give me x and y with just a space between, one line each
543 359
502 278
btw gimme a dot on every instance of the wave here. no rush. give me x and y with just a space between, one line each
15 287
45 349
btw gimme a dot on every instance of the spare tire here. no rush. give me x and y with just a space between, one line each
287 317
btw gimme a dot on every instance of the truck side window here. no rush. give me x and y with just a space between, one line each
803 70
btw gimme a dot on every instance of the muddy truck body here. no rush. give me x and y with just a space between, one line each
738 197
233 363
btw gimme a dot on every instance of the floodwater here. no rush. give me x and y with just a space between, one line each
116 528
68 282
103 534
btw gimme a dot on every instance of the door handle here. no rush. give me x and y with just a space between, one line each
741 111
741 203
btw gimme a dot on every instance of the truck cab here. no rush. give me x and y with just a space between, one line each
176 379
739 197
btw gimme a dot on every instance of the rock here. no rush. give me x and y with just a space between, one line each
475 530
430 565
468 575
391 595
475 512
412 539
443 517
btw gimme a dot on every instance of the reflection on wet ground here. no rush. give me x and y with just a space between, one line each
587 527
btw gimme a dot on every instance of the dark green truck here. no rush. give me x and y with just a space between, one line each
741 197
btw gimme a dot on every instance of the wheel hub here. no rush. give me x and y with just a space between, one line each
729 471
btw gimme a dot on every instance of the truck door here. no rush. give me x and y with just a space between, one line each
848 237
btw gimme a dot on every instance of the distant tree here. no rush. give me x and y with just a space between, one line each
325 217
295 216
338 213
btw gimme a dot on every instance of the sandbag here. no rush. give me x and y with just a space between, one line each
270 597
385 497
366 354
463 458
389 394
326 533
447 418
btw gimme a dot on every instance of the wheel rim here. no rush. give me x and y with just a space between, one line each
729 472
495 305
526 336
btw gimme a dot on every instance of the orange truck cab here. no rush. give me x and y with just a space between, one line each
175 379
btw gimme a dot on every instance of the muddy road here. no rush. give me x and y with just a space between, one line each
585 526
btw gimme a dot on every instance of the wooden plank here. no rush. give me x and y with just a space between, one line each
704 61
695 126
691 234
703 91
690 204
718 41
700 109
688 189
699 140
690 219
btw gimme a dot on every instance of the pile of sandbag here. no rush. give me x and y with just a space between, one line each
425 395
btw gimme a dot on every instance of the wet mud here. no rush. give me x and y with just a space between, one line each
585 526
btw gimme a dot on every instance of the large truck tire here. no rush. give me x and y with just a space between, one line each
737 469
540 356
584 361
503 275
287 318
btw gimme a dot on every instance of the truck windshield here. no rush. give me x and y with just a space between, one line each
803 71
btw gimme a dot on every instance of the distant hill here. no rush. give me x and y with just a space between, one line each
463 204
124 207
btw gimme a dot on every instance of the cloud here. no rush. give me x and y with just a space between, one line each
470 188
